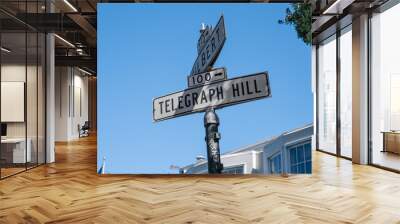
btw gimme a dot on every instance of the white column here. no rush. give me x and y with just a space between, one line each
50 99
360 90
50 92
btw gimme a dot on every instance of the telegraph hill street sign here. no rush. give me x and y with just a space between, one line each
207 77
211 46
215 95
209 89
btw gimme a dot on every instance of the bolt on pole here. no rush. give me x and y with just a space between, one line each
211 123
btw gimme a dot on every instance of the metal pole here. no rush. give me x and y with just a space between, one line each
211 123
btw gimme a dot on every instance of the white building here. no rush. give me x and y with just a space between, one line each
289 152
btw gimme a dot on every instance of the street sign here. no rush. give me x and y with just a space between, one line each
211 48
205 35
216 95
207 77
208 89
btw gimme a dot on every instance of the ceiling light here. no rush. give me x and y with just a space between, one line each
84 71
80 51
65 41
70 5
5 50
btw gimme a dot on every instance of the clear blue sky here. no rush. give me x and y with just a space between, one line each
147 50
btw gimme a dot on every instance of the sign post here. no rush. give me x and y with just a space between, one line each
209 89
211 123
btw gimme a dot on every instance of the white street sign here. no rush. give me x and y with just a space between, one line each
207 77
216 95
211 48
205 35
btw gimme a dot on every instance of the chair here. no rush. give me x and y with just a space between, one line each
84 130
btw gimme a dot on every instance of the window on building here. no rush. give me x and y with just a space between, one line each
234 169
276 164
346 91
385 88
300 158
327 95
22 78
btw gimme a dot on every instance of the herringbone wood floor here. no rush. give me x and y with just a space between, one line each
70 191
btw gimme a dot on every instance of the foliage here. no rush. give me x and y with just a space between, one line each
299 15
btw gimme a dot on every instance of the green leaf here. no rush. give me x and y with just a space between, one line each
299 16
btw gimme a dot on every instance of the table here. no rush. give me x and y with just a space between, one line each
391 141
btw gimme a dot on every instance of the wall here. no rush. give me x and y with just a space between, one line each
62 81
249 159
71 102
92 89
14 72
80 112
33 126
